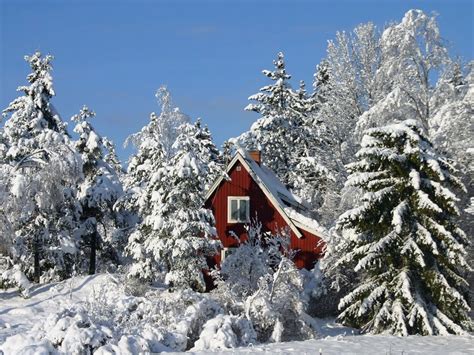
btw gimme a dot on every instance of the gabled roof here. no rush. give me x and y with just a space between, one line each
286 203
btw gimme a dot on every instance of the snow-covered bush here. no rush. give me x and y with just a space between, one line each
75 330
13 277
112 320
247 264
260 281
277 308
176 318
225 331
321 292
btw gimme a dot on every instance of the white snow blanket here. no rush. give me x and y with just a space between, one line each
18 316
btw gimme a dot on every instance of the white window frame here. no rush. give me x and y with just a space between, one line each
229 210
225 252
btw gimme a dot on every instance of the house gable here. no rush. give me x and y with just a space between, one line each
265 206
273 198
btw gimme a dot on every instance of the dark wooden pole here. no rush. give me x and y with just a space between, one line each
36 251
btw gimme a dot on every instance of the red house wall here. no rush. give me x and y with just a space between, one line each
242 184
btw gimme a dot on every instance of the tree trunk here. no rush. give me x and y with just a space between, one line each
36 251
92 260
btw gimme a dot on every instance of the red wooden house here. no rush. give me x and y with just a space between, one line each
253 191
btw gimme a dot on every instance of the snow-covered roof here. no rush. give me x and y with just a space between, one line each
288 204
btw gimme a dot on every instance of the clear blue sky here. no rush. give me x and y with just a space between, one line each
113 55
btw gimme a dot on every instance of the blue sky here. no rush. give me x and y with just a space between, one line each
113 55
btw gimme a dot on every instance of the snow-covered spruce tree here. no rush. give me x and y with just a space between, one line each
209 154
112 158
291 142
177 233
277 133
43 169
97 193
316 169
402 240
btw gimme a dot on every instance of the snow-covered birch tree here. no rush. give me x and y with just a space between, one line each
154 144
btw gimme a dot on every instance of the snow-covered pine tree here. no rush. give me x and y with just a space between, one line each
43 171
227 151
177 232
292 145
97 192
403 240
112 158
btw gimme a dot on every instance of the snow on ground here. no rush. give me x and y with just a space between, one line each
365 345
18 315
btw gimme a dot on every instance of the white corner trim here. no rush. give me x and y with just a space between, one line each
216 184
225 251
317 233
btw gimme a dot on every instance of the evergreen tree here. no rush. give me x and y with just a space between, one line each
403 241
177 233
294 141
209 154
97 192
43 171
279 129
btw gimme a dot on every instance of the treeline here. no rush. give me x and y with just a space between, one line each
378 150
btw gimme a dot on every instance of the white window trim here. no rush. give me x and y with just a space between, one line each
238 198
225 252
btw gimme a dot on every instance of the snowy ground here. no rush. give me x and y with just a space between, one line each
18 315
365 345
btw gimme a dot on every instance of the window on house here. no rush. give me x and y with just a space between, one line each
238 209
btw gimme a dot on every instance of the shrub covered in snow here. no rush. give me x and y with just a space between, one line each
13 277
226 331
260 282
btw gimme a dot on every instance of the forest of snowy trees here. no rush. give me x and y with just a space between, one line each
380 148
